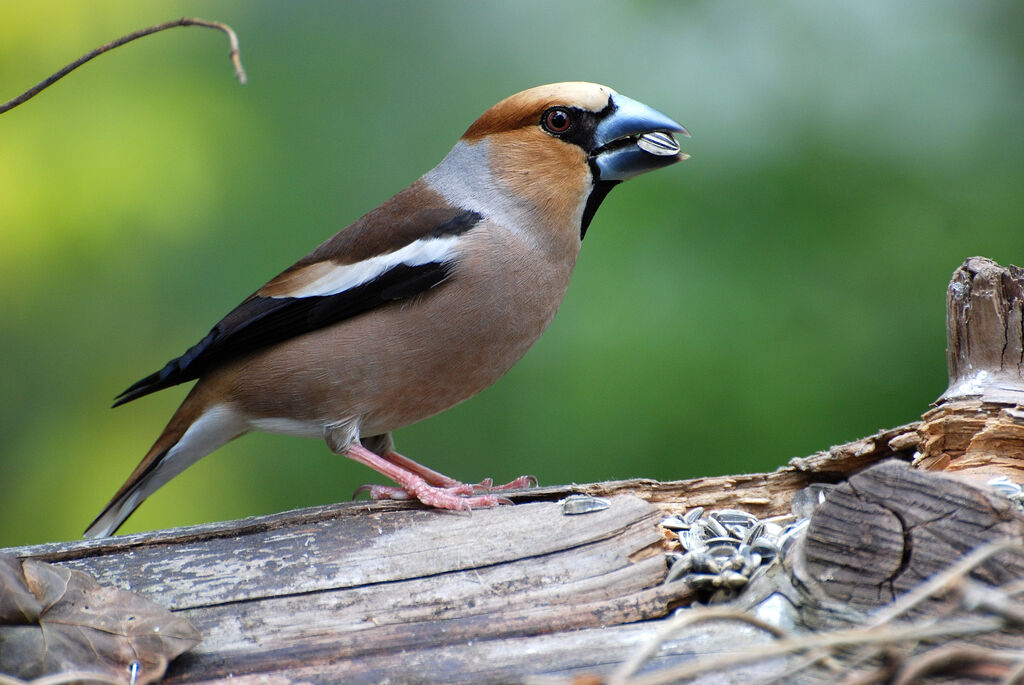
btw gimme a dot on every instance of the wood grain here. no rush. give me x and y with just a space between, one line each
351 581
890 527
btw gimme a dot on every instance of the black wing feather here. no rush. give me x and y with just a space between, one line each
263 321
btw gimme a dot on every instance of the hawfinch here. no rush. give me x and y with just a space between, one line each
415 307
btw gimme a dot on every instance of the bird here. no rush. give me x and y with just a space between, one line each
415 307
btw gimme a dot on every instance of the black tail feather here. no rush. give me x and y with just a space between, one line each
180 370
151 383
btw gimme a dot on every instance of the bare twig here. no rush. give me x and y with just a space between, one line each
184 21
980 597
974 596
831 640
681 620
876 633
1015 676
66 678
869 677
938 584
941 659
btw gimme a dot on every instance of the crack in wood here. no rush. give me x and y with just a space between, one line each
581 547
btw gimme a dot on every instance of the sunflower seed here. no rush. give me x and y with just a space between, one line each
658 143
583 504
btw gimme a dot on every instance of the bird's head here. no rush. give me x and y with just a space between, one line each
619 136
565 145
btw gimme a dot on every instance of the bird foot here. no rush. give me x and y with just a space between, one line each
382 492
443 498
484 487
415 481
457 498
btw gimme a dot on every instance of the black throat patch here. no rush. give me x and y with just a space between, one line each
594 200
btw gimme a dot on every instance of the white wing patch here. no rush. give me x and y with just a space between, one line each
341 277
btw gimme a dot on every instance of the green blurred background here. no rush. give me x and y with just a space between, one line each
780 292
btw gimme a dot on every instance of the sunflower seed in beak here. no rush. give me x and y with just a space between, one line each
658 143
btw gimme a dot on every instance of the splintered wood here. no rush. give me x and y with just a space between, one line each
761 494
977 426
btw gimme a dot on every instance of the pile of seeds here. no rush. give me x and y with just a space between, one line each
1008 489
724 549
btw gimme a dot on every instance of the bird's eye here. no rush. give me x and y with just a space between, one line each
557 120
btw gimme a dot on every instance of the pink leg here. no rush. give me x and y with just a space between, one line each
379 492
415 485
424 472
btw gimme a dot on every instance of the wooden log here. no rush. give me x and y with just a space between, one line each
882 536
310 588
761 494
361 591
364 592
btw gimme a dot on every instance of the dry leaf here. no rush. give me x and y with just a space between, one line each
54 620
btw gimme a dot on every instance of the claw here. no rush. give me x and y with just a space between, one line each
518 484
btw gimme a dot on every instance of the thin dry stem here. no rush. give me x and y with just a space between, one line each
681 620
184 21
1015 676
832 640
941 659
66 678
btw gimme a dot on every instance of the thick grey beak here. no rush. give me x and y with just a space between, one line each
633 139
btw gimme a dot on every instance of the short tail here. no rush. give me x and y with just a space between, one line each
191 434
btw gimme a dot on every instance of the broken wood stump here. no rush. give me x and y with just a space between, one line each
977 426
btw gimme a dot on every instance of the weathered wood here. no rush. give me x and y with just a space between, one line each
356 580
365 592
890 527
876 539
316 555
985 332
983 439
373 582
560 658
762 494
977 425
